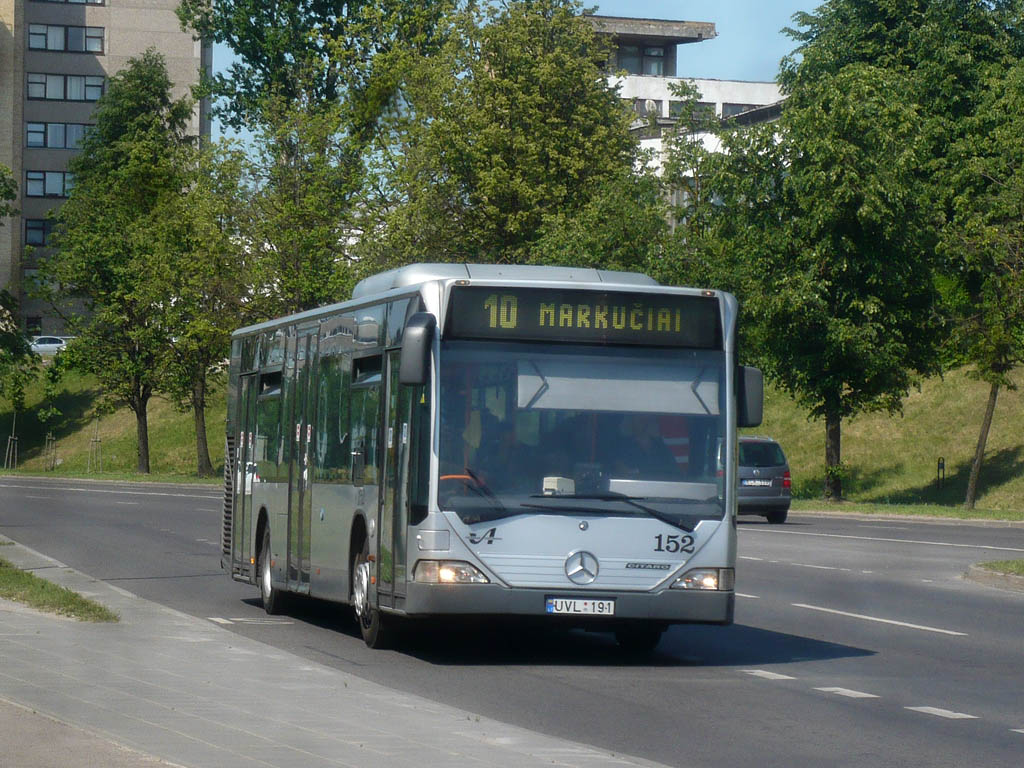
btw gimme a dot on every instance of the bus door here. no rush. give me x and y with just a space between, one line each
394 495
241 522
300 472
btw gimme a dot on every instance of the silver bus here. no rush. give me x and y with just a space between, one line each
464 440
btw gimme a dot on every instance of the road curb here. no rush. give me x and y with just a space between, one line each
994 579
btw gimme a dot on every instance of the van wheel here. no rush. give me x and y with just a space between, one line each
273 598
777 516
373 625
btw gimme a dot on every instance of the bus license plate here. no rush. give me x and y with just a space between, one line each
569 605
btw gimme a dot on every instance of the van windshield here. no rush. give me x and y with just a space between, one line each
528 428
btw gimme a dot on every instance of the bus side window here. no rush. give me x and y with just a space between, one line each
333 450
365 419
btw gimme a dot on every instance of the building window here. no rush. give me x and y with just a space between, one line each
54 37
654 60
37 231
731 110
55 135
65 87
35 135
47 183
629 58
647 107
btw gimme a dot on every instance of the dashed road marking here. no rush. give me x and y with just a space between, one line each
749 597
766 675
949 715
880 620
820 567
848 693
1017 730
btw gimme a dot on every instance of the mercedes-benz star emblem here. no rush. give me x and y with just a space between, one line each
581 567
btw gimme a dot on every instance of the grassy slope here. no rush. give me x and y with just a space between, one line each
171 434
891 459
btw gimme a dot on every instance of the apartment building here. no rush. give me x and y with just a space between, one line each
645 49
56 57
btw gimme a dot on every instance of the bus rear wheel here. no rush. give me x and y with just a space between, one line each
273 598
372 623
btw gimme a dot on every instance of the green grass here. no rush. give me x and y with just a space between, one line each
171 436
892 460
1012 567
23 587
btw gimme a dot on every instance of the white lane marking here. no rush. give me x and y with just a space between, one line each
765 674
128 503
848 693
218 620
821 567
878 538
879 620
242 620
744 557
749 597
101 490
943 713
1017 730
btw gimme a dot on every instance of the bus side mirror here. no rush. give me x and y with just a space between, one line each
417 339
750 397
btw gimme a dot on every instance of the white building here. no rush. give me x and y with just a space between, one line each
645 49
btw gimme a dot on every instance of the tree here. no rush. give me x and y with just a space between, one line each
502 139
305 181
984 241
201 276
822 215
277 43
107 232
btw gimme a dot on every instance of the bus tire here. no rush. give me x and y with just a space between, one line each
373 625
639 637
273 598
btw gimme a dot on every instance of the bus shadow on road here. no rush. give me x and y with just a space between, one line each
494 641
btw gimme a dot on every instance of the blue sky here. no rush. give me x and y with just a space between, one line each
749 43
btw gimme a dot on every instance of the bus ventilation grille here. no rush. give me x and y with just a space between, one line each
229 494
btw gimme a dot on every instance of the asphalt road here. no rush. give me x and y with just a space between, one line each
856 643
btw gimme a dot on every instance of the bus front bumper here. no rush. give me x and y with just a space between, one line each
673 606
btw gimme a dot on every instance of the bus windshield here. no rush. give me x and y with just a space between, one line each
564 429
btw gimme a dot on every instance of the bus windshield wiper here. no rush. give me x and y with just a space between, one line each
633 501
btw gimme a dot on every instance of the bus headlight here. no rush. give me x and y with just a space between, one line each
707 579
447 572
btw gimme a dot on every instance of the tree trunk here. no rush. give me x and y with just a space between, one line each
203 464
833 456
979 453
142 431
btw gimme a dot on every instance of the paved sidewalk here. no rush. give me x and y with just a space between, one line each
164 686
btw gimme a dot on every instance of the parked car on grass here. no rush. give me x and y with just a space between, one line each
764 480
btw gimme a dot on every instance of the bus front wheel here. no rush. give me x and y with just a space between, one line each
273 598
372 624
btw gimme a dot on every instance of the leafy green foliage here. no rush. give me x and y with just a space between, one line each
276 43
503 139
107 234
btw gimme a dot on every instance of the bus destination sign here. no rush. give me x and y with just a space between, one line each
589 317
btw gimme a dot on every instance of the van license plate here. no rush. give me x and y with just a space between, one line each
756 483
569 605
